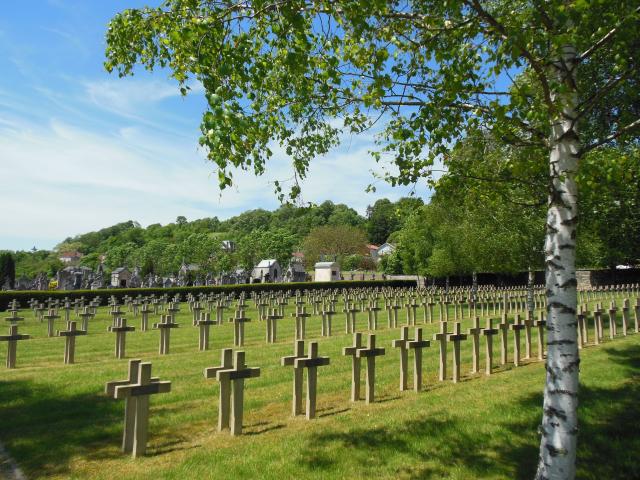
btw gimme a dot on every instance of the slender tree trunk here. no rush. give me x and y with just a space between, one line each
559 420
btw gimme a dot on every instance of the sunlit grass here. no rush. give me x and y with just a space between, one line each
56 422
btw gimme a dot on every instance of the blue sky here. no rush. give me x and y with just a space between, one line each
81 149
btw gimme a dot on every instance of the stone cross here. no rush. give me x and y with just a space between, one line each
516 327
226 363
173 310
475 333
528 323
612 321
488 333
165 325
392 314
311 362
238 321
401 343
372 315
327 314
50 317
370 352
39 311
115 313
86 315
411 307
272 323
144 317
301 319
456 337
582 329
503 328
441 337
540 325
196 309
204 324
13 318
70 341
404 344
350 325
12 345
597 320
625 317
355 365
232 384
129 405
120 329
298 352
220 306
135 438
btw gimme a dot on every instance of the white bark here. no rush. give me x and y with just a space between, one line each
559 426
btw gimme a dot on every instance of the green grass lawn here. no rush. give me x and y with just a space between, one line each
57 423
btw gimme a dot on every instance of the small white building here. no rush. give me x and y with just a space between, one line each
267 271
120 277
386 249
327 272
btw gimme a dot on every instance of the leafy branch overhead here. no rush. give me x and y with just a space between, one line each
280 72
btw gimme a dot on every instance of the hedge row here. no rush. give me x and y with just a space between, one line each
23 296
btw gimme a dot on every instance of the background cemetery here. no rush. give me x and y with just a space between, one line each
62 352
466 227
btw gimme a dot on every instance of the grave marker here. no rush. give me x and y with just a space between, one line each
140 392
12 344
120 329
70 341
456 337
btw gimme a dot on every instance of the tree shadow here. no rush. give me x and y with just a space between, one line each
43 428
608 441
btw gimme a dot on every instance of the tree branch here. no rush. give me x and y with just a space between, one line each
589 51
535 64
613 136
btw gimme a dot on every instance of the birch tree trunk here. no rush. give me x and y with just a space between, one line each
559 426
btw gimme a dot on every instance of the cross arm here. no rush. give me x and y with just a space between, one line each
369 352
418 344
137 390
238 374
110 387
312 362
19 336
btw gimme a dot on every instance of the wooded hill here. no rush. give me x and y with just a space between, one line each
470 224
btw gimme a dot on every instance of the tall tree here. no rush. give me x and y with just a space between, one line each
333 241
528 71
7 270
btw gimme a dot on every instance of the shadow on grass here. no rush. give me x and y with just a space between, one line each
42 428
505 446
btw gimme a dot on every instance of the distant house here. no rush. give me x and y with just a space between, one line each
69 257
373 251
120 277
267 271
386 249
228 246
298 256
327 272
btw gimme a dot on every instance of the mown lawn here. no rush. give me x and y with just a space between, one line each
57 423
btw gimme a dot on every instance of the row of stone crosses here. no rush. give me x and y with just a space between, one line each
232 371
271 309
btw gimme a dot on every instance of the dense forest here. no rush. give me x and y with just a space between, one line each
483 216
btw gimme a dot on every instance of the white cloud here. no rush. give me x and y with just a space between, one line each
58 180
127 96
